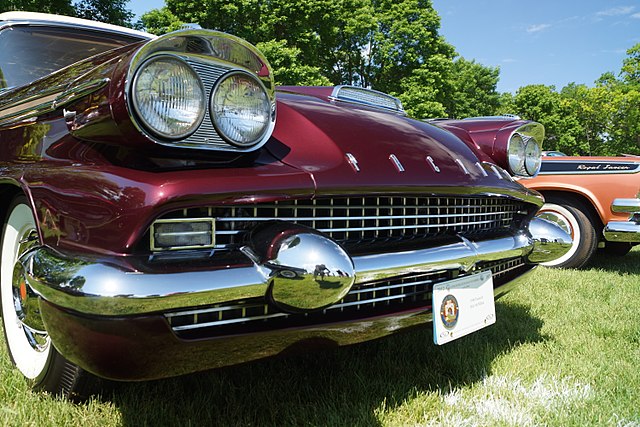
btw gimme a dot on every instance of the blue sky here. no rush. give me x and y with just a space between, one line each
551 42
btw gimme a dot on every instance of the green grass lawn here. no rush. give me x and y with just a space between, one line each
565 351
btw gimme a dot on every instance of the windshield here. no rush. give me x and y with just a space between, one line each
28 53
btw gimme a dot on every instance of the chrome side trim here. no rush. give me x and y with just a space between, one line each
29 108
24 109
79 91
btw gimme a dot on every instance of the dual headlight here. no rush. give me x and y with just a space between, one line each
171 102
524 155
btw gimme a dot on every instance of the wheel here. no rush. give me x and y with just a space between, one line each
573 218
27 340
617 248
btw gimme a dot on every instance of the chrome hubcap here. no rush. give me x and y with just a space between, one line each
25 301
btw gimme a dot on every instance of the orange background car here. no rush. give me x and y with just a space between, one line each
595 199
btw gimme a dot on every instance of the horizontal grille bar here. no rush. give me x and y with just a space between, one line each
363 300
356 222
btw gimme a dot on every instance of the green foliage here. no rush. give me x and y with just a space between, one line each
602 120
288 70
473 91
62 7
160 21
110 11
631 67
388 45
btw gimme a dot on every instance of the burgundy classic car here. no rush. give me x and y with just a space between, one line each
594 199
166 211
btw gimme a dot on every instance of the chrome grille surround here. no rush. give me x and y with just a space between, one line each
369 220
364 300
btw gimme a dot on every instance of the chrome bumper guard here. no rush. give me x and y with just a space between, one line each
101 289
624 231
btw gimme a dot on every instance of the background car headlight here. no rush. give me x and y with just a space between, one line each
533 157
240 109
168 97
524 155
516 153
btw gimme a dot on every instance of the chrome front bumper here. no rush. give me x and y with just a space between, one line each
624 231
99 289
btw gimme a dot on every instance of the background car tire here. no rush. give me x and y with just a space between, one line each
617 248
575 219
41 363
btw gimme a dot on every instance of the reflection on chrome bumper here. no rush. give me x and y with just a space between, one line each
624 231
550 241
101 289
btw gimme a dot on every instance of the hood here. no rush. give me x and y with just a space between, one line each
344 146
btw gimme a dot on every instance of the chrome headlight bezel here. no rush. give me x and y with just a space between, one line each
266 128
143 116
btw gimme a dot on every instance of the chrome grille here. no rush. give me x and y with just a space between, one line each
206 133
355 221
364 300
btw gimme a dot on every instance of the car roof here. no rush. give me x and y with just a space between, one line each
34 18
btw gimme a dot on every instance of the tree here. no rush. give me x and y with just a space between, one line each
473 92
388 45
160 21
111 11
62 7
630 72
287 67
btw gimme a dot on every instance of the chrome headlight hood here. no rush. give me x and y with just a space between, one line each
215 58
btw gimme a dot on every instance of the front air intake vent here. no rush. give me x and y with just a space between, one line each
368 97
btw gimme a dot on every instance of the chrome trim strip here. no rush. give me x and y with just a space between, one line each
484 172
79 91
352 161
433 164
396 162
462 166
24 109
496 172
588 167
31 107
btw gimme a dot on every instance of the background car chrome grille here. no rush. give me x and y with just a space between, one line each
357 221
364 300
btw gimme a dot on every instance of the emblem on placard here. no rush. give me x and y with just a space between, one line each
449 311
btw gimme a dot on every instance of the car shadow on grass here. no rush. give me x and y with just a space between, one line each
344 386
627 264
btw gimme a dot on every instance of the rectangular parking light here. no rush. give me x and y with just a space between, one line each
182 233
